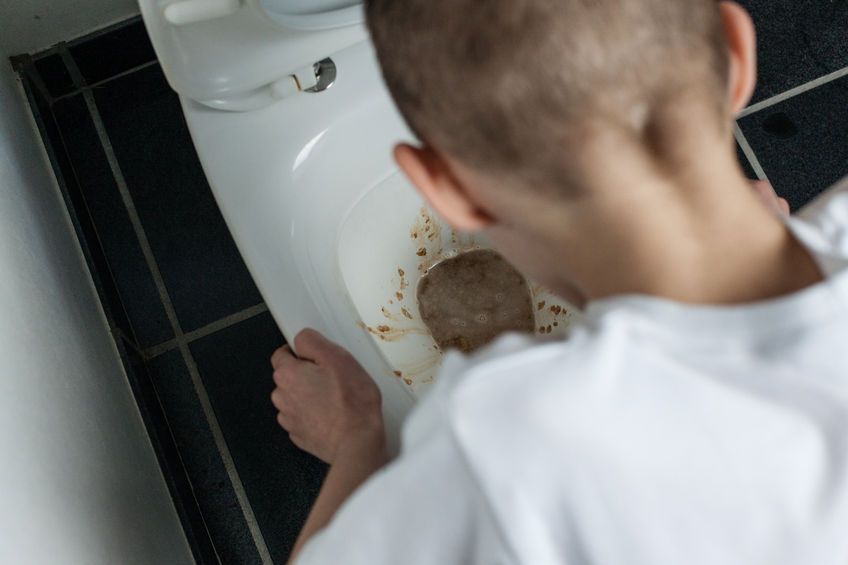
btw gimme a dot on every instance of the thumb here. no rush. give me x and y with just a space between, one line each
313 346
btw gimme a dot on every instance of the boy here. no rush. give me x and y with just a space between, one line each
700 413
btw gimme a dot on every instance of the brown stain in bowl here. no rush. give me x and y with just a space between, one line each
389 315
426 365
425 227
427 236
389 333
470 299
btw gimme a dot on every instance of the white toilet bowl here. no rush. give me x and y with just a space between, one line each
334 236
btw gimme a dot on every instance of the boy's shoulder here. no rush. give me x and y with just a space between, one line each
822 226
512 381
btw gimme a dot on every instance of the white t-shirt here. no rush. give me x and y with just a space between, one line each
659 433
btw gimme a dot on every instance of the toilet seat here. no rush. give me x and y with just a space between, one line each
314 15
243 55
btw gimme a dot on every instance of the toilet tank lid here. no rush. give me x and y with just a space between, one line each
314 15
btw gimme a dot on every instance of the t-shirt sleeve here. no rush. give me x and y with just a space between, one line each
823 226
423 508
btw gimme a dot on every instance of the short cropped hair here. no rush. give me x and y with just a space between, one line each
510 86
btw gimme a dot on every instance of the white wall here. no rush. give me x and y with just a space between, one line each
79 483
31 25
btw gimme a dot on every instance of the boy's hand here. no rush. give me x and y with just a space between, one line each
325 398
766 192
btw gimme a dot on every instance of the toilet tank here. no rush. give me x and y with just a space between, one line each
245 54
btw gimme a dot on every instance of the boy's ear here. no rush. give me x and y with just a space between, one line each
742 43
440 188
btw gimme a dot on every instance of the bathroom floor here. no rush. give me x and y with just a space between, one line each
191 326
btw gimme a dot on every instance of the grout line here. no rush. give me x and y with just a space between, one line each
791 93
159 349
226 322
147 251
105 81
30 73
71 66
125 73
119 333
749 152
208 329
46 52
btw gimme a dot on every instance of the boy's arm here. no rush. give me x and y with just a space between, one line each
331 409
357 459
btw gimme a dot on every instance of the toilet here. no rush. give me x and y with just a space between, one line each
294 128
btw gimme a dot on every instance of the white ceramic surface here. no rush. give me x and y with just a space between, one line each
232 58
324 221
314 14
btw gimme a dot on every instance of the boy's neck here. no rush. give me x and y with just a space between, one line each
704 239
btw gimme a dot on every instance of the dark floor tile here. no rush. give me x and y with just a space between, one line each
802 143
80 217
108 54
798 41
55 75
213 491
746 164
281 481
87 166
202 268
167 453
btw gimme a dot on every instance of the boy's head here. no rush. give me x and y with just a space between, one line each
523 101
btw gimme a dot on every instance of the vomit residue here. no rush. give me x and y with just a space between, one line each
389 315
469 300
400 319
389 333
